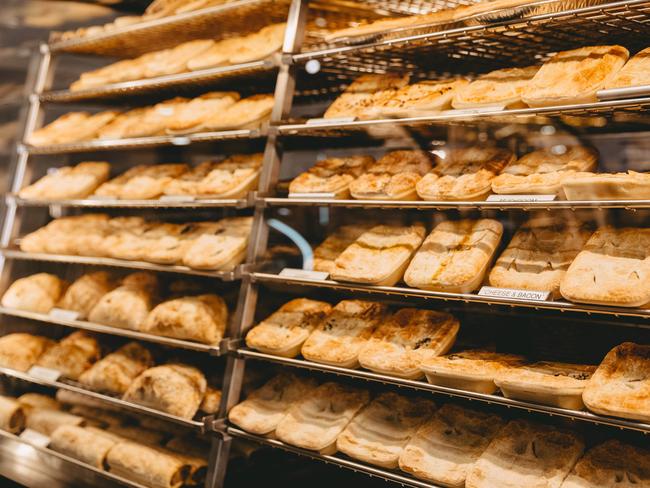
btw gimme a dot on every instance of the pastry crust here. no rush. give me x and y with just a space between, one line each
223 248
419 98
341 336
524 453
72 355
20 351
612 269
284 332
68 182
393 177
621 385
332 175
12 415
35 293
85 292
455 256
46 421
142 182
265 407
379 256
573 77
202 318
316 421
410 336
473 370
364 93
82 444
331 248
500 88
378 434
634 73
464 174
444 449
604 186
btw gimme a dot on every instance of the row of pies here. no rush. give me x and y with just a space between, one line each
411 343
451 445
232 177
213 111
153 453
569 77
562 256
129 303
217 245
188 56
469 174
129 372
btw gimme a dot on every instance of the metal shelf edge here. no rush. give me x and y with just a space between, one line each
153 203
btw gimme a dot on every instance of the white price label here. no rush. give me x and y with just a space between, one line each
474 111
63 314
521 198
313 195
177 198
333 120
304 274
42 373
35 438
491 291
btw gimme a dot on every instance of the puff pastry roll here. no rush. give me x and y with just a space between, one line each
81 444
126 307
543 171
500 88
613 268
20 351
620 387
265 407
84 293
473 370
331 175
316 421
341 336
137 434
393 177
331 248
147 465
378 434
445 448
35 293
72 355
12 416
68 182
573 77
46 420
634 73
455 256
176 389
400 344
195 453
285 331
115 372
464 174
223 248
379 256
611 463
417 99
607 186
539 255
38 400
524 453
202 319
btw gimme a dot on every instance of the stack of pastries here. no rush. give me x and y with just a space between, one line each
450 445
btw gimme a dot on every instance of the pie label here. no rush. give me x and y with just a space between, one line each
475 110
332 120
101 197
63 314
177 198
491 291
35 438
322 194
521 198
42 373
304 274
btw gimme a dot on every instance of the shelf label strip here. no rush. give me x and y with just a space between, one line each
521 198
34 437
304 274
494 292
42 373
63 314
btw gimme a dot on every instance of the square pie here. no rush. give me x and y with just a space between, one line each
410 336
500 88
142 182
331 248
331 175
634 73
68 182
607 186
248 113
224 247
420 98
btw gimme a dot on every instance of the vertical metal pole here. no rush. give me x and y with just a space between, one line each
245 314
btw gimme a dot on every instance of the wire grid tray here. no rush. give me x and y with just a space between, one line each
222 21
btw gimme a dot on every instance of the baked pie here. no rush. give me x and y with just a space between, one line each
46 420
455 256
400 344
20 351
500 88
142 182
445 448
613 268
607 186
620 387
332 175
35 293
464 174
364 93
81 444
524 453
71 127
634 73
174 60
379 256
68 182
473 370
71 356
85 292
123 70
316 421
265 407
192 114
12 416
378 434
125 125
331 248
248 113
574 77
156 119
211 400
421 98
223 248
393 177
557 384
344 332
259 45
543 171
126 307
539 255
284 332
